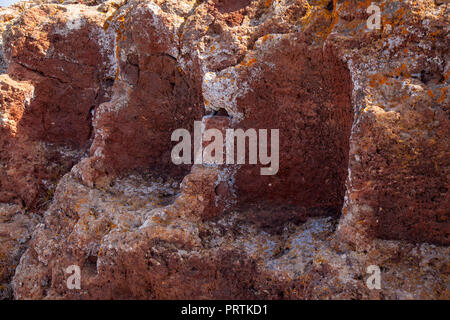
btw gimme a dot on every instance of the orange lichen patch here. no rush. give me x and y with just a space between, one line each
399 17
251 62
446 76
377 80
382 80
345 210
307 16
433 34
8 18
430 93
111 17
400 13
206 103
320 21
92 213
264 38
107 22
157 219
81 202
443 93
112 226
401 71
120 37
267 3
212 48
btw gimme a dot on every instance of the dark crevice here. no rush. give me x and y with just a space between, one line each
221 112
330 6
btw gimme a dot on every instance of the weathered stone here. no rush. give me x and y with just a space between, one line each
55 81
6 16
15 230
364 158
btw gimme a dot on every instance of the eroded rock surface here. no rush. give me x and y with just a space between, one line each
93 92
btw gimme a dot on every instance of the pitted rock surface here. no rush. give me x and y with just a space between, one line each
91 91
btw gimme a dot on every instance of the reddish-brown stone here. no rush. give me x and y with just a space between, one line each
306 94
364 126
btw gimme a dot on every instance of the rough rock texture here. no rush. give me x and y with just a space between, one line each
399 150
6 15
93 93
54 82
15 230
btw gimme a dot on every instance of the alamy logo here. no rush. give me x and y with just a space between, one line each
74 280
219 151
374 281
374 21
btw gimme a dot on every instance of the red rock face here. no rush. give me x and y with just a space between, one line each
66 78
93 94
30 167
306 94
398 168
69 75
55 80
54 115
226 6
230 11
161 102
15 230
151 98
409 195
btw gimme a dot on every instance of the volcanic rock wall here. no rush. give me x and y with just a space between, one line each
93 92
